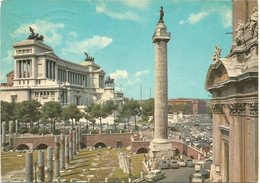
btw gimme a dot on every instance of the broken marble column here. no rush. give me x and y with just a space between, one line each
62 152
77 138
49 164
70 145
67 158
29 167
16 127
3 136
57 157
40 166
10 134
74 143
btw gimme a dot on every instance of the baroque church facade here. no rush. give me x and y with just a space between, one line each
233 83
39 74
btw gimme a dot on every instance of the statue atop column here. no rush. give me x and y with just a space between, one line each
161 15
217 53
88 58
34 36
254 23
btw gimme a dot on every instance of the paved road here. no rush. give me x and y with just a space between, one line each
178 175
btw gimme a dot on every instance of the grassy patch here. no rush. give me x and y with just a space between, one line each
100 163
11 162
145 122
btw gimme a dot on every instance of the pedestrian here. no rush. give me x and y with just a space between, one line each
190 176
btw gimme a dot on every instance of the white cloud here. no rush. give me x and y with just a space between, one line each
194 18
226 13
94 43
45 28
133 81
182 22
9 57
74 34
137 3
119 74
128 15
139 73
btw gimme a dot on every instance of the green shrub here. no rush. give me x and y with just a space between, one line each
56 132
33 130
94 132
43 131
24 130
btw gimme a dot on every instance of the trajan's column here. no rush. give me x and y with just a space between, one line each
160 147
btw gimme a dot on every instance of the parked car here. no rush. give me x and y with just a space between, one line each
190 163
174 163
199 166
163 164
197 177
182 163
205 173
154 175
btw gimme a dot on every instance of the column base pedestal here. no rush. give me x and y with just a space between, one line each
160 149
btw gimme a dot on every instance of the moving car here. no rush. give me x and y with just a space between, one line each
190 163
154 175
197 177
174 163
163 164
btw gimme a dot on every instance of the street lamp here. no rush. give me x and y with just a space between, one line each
35 166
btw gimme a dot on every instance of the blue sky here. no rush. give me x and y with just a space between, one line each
119 35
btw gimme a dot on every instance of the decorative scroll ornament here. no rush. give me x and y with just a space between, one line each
253 109
254 23
217 108
88 58
236 108
240 40
35 36
217 53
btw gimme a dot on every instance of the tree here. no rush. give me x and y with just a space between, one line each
147 109
28 111
130 108
7 111
125 112
97 111
52 110
185 108
134 108
71 112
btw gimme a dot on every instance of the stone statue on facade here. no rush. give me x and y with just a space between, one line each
254 23
88 58
35 36
240 33
217 53
161 14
